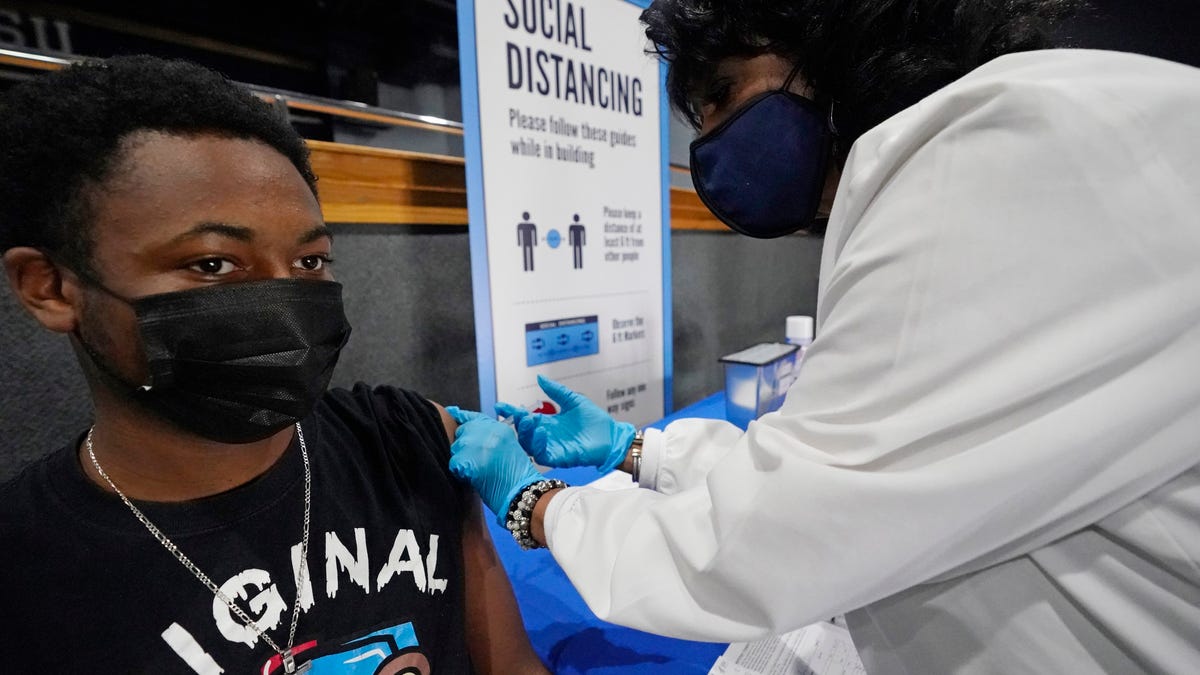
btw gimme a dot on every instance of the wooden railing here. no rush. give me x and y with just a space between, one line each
372 185
361 184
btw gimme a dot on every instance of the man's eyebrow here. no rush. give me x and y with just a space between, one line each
315 234
224 229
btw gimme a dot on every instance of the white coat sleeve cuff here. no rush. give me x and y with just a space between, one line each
652 451
554 509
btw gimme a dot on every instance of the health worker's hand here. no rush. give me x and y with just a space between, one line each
581 434
486 454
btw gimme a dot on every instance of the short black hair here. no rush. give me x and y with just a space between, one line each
872 57
61 132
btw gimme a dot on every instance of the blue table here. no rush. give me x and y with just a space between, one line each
565 633
712 408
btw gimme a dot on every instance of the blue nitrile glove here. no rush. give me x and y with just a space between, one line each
486 453
581 434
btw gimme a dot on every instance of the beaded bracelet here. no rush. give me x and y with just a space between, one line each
520 513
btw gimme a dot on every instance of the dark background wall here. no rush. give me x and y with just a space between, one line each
408 296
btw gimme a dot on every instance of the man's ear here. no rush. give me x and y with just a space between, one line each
39 286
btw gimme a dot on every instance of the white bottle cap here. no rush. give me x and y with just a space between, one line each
799 329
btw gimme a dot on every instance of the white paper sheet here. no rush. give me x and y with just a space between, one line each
820 649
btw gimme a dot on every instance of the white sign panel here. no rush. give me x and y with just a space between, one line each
566 166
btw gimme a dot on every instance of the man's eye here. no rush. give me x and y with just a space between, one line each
213 267
313 263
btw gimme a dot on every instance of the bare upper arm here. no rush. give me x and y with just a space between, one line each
496 634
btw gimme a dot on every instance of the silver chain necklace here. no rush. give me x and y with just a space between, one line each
289 662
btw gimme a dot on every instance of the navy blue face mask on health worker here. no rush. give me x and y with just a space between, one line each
762 171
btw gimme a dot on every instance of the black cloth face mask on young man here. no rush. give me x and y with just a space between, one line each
236 363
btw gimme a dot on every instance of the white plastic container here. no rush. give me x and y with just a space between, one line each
799 331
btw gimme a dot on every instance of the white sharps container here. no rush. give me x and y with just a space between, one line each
756 380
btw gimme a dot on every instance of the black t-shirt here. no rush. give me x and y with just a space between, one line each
85 588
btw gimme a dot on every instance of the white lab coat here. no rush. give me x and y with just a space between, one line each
991 451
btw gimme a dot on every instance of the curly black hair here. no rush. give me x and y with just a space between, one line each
872 57
61 133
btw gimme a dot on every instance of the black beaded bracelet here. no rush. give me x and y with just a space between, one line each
520 513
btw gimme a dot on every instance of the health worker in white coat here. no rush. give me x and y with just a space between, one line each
989 459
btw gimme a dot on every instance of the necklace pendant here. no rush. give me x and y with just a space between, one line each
289 663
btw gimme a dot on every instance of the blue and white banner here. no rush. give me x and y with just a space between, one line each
566 130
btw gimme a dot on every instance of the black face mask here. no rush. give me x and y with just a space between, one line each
237 363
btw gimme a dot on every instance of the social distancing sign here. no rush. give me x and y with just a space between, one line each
565 120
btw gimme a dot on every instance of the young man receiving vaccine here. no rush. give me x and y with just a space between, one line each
224 513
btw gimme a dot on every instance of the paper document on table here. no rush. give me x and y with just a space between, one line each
820 649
